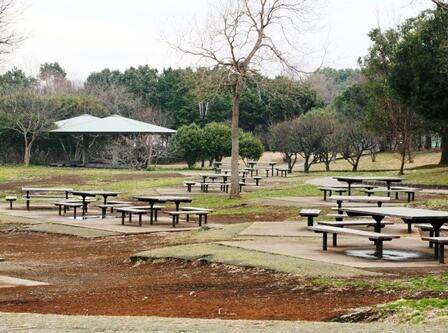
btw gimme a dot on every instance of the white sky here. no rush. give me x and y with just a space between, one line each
87 36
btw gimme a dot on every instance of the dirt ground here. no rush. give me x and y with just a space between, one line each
97 277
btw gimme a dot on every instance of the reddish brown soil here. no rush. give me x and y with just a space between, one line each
96 277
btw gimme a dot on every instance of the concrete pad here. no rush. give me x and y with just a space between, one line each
277 229
309 245
111 224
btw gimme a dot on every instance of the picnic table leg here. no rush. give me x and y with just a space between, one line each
339 202
437 246
441 253
123 215
310 220
324 241
409 223
379 249
27 200
74 212
151 212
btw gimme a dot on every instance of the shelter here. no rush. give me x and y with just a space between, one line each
86 125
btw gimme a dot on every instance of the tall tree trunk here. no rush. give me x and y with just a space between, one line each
234 192
444 148
403 161
27 152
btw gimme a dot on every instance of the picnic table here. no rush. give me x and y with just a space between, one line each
359 179
408 215
214 177
94 193
151 200
251 165
45 193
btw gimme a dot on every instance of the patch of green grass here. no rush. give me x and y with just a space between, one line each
417 311
420 284
430 283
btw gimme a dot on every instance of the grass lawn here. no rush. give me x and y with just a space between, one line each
423 170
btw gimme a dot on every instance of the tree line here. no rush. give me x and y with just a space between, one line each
396 98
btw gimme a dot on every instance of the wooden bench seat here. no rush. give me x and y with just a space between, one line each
176 213
11 199
441 241
310 214
376 237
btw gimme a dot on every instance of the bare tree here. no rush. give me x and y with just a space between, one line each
243 36
10 11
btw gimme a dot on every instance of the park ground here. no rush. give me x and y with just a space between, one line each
98 275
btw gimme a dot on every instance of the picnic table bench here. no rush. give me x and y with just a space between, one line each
441 241
356 198
223 186
10 199
176 213
283 171
330 190
256 178
356 223
68 204
194 209
408 190
430 229
45 193
342 189
112 205
376 237
138 210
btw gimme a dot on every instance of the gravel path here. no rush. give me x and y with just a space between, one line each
33 323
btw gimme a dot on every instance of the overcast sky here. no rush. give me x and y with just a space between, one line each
86 36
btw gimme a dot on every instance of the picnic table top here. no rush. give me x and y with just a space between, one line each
358 198
402 212
93 193
162 198
42 189
362 178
